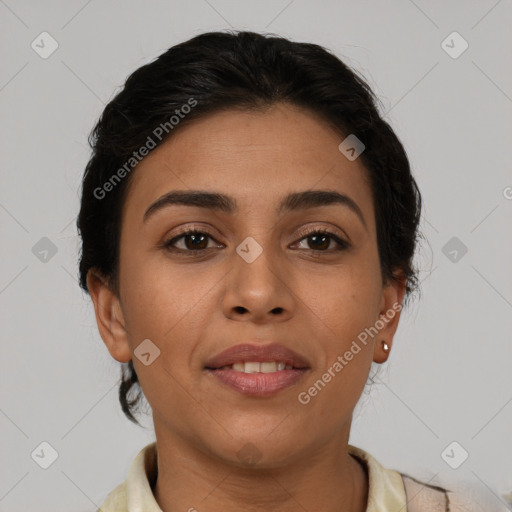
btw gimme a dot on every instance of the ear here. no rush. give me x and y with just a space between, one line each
109 317
390 309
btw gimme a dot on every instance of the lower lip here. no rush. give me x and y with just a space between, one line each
259 384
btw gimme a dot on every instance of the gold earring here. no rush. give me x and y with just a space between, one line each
385 346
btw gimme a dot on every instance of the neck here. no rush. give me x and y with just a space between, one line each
327 479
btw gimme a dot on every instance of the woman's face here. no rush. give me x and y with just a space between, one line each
259 275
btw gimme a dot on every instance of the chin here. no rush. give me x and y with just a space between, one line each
257 449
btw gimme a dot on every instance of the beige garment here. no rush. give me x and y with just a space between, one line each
466 497
387 492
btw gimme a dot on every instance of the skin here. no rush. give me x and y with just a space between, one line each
193 307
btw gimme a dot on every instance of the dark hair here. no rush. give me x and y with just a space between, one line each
239 70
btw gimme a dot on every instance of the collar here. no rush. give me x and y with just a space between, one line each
386 488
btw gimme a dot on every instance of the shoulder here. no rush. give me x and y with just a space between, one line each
115 501
465 496
135 493
476 497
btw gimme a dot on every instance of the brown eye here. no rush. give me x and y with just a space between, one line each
191 241
320 240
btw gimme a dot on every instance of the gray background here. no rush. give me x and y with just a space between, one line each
448 378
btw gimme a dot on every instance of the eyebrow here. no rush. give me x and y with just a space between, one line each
227 204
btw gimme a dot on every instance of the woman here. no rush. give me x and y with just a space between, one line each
249 223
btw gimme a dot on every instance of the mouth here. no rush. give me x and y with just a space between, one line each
257 367
257 370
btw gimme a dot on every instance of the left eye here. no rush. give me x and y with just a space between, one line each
321 241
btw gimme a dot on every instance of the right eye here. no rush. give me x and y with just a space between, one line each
193 242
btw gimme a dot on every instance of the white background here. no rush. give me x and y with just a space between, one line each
449 375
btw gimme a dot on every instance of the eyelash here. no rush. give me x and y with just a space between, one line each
342 244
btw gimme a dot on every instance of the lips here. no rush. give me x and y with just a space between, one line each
258 371
257 353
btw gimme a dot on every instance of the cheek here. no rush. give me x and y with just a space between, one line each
342 316
157 295
341 308
347 298
163 304
171 305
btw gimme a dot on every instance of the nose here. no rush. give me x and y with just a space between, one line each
259 291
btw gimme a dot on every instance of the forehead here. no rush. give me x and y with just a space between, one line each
255 156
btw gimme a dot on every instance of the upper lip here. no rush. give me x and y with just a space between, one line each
257 353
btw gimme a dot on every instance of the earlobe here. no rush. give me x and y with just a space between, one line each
389 316
109 317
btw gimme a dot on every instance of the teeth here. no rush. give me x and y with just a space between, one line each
239 367
265 367
251 367
268 367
